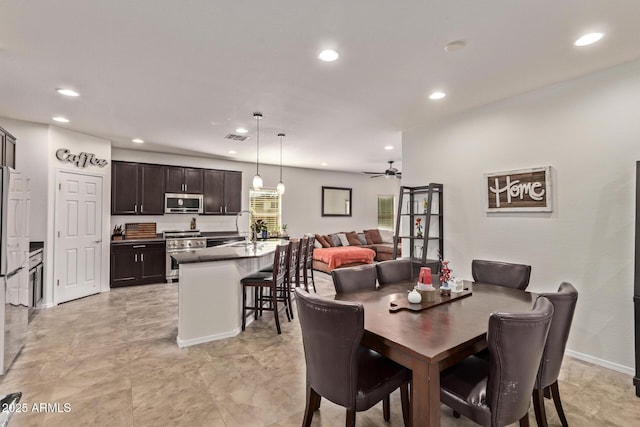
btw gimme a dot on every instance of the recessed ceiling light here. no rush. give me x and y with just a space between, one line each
323 164
437 95
233 152
61 119
328 55
241 130
389 147
137 141
455 46
588 39
67 92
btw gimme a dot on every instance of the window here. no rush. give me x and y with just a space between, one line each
385 212
266 205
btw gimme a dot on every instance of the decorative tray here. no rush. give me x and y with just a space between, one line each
404 304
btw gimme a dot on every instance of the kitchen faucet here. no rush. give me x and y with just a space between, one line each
253 234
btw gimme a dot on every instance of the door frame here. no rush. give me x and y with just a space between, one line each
106 241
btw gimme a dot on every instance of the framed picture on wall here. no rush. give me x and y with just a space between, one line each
523 190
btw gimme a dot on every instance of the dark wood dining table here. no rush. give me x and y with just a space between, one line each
433 339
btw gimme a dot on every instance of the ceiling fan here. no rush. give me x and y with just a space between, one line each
389 173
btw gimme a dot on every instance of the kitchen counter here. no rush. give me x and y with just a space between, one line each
209 289
230 251
35 247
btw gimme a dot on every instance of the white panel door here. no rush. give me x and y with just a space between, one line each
17 217
78 255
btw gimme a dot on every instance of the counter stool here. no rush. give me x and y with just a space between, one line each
274 282
308 264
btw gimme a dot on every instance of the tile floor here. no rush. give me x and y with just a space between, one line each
113 359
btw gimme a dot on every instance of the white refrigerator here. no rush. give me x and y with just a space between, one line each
14 264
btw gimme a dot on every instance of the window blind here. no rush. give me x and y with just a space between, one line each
385 212
266 205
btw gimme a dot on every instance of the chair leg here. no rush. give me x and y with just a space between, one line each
386 411
313 402
406 407
313 280
538 407
456 414
555 392
244 306
274 301
524 421
351 418
255 303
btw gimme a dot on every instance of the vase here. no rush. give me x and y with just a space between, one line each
264 234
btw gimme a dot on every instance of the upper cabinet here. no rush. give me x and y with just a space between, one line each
8 149
222 192
137 189
183 180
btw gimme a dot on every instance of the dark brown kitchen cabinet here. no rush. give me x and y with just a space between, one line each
138 263
8 149
183 180
137 188
222 192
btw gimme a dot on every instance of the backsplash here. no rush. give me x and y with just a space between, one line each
179 221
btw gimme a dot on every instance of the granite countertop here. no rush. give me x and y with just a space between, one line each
231 251
158 238
222 235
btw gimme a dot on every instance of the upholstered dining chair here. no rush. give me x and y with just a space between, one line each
496 392
501 273
354 279
339 368
273 282
564 305
394 271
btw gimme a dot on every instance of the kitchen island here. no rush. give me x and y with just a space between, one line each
209 289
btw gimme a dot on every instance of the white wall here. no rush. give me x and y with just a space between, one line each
588 130
301 202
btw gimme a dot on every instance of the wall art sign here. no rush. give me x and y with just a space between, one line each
524 190
81 160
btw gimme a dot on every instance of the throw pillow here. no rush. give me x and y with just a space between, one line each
343 239
387 236
322 241
373 236
362 238
317 244
352 237
329 241
335 240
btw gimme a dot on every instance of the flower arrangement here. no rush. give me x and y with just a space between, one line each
419 227
259 228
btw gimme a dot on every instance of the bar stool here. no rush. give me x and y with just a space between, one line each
274 282
308 264
292 279
302 259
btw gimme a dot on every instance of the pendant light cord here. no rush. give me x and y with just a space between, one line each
257 145
281 135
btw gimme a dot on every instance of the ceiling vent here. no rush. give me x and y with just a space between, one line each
234 137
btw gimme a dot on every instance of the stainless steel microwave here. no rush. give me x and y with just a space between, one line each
183 203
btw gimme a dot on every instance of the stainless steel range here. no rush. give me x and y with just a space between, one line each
181 241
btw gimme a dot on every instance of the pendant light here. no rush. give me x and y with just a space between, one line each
257 179
280 187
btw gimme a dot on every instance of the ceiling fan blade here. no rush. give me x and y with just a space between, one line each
376 176
373 173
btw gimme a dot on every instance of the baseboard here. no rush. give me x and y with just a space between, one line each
601 362
208 338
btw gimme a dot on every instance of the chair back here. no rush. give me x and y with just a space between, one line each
501 273
293 265
354 279
302 257
309 253
331 335
280 265
394 271
516 342
564 305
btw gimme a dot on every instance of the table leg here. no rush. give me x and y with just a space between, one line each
425 394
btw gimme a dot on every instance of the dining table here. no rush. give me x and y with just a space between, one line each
430 340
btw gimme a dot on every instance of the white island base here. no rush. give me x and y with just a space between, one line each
210 296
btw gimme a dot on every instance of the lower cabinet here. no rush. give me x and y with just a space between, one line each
138 263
